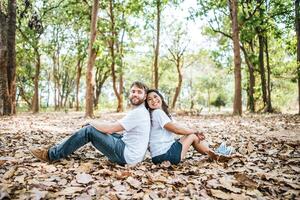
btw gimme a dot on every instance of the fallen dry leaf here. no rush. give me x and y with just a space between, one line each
269 168
84 178
10 172
134 182
244 180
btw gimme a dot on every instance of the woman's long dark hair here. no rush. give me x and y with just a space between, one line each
163 103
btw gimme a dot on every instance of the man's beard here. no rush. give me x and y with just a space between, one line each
136 103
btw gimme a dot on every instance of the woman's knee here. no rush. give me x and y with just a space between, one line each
195 138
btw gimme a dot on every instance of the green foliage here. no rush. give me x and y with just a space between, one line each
219 101
59 30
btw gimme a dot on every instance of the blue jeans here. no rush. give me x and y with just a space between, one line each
110 145
173 154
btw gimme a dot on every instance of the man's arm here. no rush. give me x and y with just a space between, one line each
107 127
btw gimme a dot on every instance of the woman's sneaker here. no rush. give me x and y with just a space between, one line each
225 150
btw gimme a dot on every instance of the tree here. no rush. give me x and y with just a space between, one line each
261 43
91 60
177 50
237 104
297 24
8 59
31 25
156 53
103 71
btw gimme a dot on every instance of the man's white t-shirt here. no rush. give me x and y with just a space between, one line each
160 139
136 135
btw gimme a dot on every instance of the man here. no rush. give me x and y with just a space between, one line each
127 149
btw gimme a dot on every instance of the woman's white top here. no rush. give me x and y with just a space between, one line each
160 139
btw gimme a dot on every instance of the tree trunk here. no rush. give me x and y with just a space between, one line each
120 100
237 105
112 44
78 75
25 97
158 7
11 53
48 89
297 23
178 88
251 100
91 60
55 96
101 77
97 95
208 99
5 100
8 60
35 100
261 56
269 102
191 93
262 68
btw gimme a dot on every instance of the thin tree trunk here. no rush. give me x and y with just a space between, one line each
48 88
101 77
158 7
208 99
261 41
237 105
120 102
91 60
78 75
119 47
112 44
269 102
191 94
262 68
11 53
56 82
251 81
35 101
178 87
297 24
24 97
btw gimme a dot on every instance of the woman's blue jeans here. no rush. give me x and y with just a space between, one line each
110 145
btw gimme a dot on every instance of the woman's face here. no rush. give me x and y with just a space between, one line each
154 101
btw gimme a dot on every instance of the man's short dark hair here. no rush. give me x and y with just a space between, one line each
140 85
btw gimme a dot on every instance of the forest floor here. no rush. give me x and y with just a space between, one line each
269 168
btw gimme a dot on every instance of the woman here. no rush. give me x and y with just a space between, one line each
163 146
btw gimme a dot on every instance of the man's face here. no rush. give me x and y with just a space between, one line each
137 96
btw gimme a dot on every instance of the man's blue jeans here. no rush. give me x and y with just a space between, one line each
110 145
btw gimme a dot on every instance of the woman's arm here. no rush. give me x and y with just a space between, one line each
175 128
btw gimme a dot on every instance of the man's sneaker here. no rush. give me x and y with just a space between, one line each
225 150
40 153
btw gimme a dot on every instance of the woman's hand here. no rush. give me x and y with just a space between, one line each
200 135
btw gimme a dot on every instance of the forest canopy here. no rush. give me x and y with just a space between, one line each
83 55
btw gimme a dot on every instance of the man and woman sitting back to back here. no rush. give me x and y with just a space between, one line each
149 123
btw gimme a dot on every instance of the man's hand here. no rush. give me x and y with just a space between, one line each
86 124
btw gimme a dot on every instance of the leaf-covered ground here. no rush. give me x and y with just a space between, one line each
269 168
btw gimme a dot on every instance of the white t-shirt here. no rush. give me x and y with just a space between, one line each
136 135
160 139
